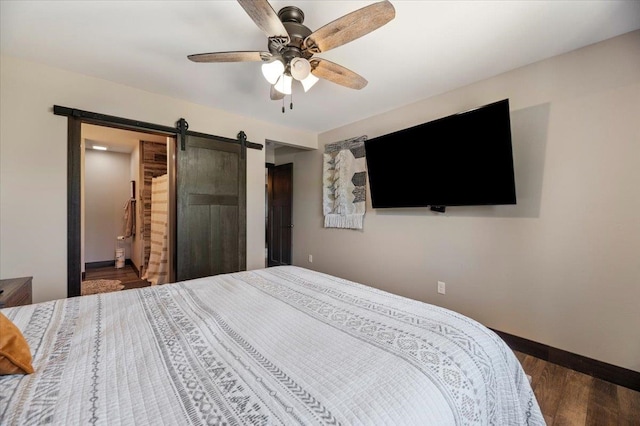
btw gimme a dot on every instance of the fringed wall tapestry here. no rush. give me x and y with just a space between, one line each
344 184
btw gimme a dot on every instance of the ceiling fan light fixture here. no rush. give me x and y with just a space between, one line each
308 82
283 85
300 68
292 45
272 70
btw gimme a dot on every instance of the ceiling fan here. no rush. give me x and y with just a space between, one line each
292 45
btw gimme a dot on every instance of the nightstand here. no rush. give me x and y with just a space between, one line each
15 292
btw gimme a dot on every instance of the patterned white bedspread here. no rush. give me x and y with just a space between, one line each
276 346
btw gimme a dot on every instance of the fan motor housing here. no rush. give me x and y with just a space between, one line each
292 19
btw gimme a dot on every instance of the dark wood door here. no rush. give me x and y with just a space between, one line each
280 219
211 208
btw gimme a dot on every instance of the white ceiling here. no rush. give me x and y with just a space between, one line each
116 140
429 48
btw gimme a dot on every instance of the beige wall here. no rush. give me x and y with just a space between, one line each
107 177
33 161
563 266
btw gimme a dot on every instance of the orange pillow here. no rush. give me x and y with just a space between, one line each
15 355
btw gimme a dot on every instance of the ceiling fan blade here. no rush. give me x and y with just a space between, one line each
275 95
265 17
337 74
350 27
230 57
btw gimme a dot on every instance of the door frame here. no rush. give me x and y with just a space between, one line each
75 118
74 201
268 200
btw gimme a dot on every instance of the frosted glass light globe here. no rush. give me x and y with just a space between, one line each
272 71
300 68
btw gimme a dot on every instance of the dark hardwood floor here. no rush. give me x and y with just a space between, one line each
126 275
567 397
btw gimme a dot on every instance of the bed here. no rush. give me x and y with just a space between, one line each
278 346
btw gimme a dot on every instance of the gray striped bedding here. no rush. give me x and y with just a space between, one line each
279 346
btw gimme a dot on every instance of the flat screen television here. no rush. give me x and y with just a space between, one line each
465 159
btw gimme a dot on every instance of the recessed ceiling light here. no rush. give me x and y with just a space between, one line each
99 148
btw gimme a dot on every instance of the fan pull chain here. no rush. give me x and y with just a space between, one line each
283 104
291 100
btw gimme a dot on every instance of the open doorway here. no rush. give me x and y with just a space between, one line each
280 159
279 214
203 244
118 169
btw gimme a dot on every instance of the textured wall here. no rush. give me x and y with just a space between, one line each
562 267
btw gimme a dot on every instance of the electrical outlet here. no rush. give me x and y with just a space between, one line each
441 287
310 258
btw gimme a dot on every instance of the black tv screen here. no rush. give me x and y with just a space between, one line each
461 160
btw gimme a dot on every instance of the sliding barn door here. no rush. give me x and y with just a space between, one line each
211 208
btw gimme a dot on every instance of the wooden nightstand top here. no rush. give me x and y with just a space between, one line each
15 292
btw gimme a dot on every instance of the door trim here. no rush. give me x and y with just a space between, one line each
74 228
